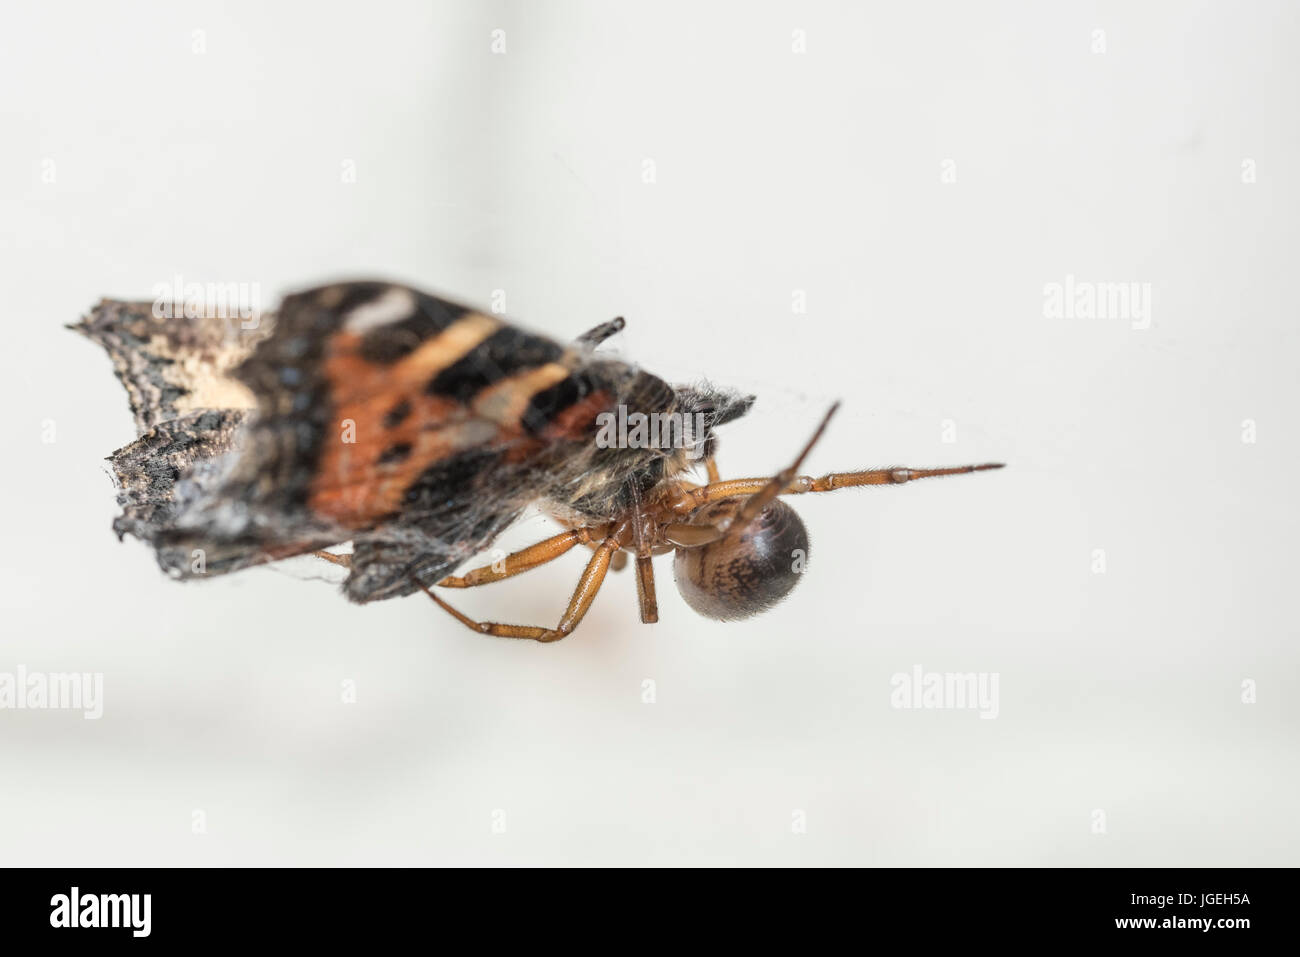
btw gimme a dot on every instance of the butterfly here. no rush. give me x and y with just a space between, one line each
418 430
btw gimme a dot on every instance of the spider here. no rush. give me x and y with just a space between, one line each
738 549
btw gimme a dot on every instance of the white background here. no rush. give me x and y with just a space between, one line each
775 171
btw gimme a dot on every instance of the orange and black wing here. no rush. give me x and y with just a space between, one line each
414 427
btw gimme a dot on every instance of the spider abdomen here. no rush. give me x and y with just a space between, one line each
731 580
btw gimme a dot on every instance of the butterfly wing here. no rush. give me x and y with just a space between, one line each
175 365
173 361
172 465
414 427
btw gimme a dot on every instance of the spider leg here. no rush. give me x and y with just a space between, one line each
771 488
645 569
645 590
831 482
588 585
787 482
521 561
687 535
617 563
692 535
